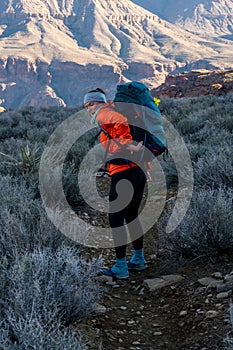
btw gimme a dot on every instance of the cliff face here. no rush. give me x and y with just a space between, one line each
26 83
196 83
39 84
36 83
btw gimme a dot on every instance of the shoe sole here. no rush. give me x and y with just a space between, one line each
137 268
113 275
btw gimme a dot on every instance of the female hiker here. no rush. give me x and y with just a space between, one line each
124 196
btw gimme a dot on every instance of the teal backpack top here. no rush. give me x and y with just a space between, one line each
135 102
135 92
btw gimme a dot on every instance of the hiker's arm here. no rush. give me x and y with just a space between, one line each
135 148
126 138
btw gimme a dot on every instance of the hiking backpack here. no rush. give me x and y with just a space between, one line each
135 102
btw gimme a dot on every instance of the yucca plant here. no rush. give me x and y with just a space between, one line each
27 160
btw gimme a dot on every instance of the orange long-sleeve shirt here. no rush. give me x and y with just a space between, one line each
115 124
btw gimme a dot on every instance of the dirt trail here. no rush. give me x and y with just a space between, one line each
181 316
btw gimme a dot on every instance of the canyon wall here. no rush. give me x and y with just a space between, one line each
40 84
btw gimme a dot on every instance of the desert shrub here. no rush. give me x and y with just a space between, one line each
6 133
197 151
40 136
24 224
214 168
176 109
190 124
10 146
45 282
206 228
50 285
79 149
14 193
212 136
190 115
42 273
228 340
71 167
28 334
26 231
205 123
169 169
21 155
70 183
227 122
33 124
43 292
206 107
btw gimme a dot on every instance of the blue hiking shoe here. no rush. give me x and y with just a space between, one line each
137 267
119 270
137 262
114 274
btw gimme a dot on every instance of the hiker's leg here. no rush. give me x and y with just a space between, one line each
121 211
138 180
116 220
117 212
137 262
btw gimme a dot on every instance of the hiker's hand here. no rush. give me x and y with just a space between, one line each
135 148
148 176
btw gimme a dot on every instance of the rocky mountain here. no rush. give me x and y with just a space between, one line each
196 83
205 17
53 51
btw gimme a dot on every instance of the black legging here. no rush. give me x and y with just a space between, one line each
129 212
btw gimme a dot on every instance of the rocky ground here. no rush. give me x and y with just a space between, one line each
187 314
181 305
196 83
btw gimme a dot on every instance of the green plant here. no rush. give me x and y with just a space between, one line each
28 158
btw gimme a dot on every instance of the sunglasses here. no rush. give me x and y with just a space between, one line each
90 104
